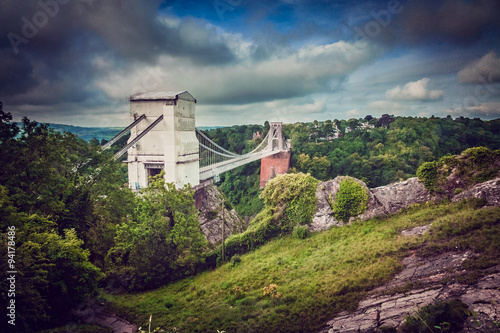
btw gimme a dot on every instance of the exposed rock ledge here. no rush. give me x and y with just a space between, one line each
386 309
382 200
391 198
213 211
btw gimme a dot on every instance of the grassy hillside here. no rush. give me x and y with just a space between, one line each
100 133
295 284
87 133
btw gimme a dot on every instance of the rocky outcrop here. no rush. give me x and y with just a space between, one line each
382 200
489 191
425 281
391 198
325 193
213 210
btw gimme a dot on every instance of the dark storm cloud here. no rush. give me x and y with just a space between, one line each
407 22
483 71
47 46
130 28
455 21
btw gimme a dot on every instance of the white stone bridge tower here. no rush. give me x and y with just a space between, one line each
171 145
163 136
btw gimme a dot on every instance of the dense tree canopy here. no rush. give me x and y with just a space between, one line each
161 242
387 149
378 151
74 224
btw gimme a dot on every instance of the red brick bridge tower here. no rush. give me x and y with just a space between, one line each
278 163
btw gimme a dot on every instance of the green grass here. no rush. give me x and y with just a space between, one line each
317 277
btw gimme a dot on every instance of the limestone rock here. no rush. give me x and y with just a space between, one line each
325 192
391 198
384 308
489 190
212 212
383 200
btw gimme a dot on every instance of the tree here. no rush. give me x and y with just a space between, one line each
328 129
8 130
353 124
161 242
54 272
385 120
62 191
350 200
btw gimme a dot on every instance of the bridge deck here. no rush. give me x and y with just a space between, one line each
218 168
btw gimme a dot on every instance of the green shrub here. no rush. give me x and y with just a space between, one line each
235 260
447 316
480 156
427 173
290 200
169 303
474 165
350 200
301 232
295 194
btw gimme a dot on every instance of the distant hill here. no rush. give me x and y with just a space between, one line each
87 133
106 133
208 128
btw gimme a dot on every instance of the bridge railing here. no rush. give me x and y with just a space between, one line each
212 154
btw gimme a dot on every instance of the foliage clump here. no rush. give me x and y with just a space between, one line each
428 174
290 201
301 232
161 242
294 194
472 166
445 316
350 200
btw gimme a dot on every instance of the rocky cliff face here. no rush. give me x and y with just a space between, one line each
386 307
382 200
391 198
488 191
213 210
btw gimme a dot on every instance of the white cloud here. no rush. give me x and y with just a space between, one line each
412 91
353 113
307 71
488 110
485 70
285 110
386 106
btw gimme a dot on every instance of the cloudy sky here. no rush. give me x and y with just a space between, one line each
246 61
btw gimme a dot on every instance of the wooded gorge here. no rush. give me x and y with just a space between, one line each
377 151
79 229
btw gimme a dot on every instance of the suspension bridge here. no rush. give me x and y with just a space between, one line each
163 136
